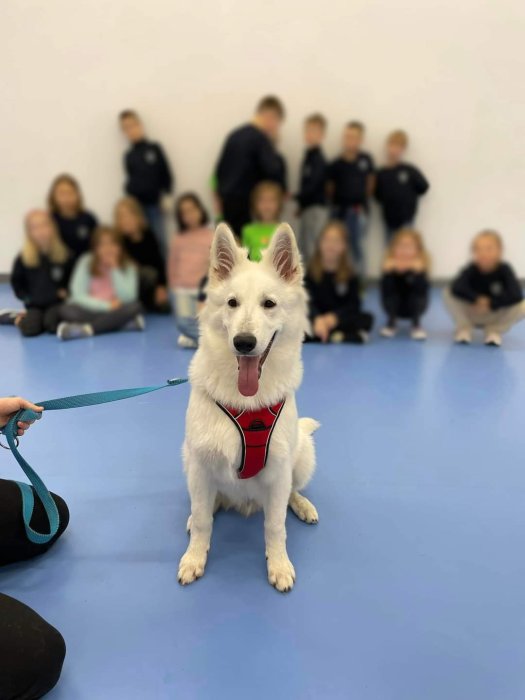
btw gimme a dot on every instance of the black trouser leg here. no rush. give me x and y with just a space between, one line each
51 318
32 322
31 652
102 321
14 545
236 213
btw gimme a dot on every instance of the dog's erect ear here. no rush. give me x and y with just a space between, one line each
283 254
224 253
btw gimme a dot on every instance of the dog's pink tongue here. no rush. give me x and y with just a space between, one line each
248 379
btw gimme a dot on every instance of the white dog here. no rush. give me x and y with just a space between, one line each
245 447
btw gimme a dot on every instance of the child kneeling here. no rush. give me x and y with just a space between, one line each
486 294
404 283
104 291
333 287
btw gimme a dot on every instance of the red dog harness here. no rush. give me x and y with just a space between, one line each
255 429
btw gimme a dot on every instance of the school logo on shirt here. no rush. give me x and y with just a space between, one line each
362 164
341 288
403 176
56 273
496 288
82 232
151 156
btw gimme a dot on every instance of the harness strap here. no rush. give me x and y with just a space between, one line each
255 430
26 415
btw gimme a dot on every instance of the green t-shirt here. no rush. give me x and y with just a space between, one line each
256 237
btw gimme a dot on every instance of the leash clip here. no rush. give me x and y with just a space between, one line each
6 447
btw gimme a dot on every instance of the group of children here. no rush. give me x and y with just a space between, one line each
79 279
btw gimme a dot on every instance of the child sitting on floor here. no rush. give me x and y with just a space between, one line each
75 224
267 203
486 294
143 248
189 258
104 291
40 276
333 287
404 284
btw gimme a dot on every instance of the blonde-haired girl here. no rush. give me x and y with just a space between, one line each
404 284
75 223
40 274
333 288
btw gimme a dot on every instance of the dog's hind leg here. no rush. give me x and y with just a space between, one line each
303 470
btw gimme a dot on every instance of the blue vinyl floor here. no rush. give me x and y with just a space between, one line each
411 587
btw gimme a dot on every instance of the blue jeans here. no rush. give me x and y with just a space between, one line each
155 219
356 221
184 305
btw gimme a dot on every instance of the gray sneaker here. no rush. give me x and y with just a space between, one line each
72 331
136 324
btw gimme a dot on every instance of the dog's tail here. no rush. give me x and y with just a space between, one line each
309 425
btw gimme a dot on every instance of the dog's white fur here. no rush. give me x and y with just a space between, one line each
212 447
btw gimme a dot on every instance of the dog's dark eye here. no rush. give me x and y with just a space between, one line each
233 303
269 304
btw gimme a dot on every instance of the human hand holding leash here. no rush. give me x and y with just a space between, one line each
11 405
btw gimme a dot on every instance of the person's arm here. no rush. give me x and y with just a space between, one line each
79 287
167 178
126 283
419 182
11 405
371 179
330 182
462 286
19 281
350 302
270 163
156 258
378 191
512 292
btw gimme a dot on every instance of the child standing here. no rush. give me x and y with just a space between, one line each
267 204
312 191
486 294
188 263
399 186
142 247
40 275
148 173
404 284
333 287
104 291
75 224
350 184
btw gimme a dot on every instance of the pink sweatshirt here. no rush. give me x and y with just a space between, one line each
189 258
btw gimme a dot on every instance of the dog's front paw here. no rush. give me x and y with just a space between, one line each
281 573
303 508
191 567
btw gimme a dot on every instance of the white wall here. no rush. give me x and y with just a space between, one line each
449 72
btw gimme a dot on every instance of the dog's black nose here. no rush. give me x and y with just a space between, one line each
244 343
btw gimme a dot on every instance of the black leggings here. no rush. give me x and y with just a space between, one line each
36 321
101 321
404 299
31 650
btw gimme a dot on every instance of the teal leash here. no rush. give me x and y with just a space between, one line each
10 431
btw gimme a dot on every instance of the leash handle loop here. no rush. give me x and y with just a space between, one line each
27 415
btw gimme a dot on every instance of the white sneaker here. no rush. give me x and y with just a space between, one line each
136 324
463 336
365 337
418 333
184 342
388 332
73 331
493 339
